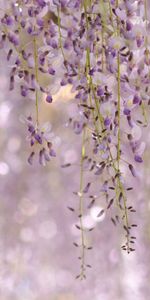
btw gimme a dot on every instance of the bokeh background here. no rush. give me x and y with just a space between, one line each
37 258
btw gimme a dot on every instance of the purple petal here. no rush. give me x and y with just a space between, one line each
49 99
30 158
126 111
138 158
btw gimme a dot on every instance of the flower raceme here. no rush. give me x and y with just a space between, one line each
40 141
102 49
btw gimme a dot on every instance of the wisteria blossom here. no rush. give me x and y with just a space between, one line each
101 49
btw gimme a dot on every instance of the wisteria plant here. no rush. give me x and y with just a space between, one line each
102 48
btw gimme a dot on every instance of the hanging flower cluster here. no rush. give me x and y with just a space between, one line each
102 49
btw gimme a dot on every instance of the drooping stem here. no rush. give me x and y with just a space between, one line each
111 15
102 35
59 32
116 167
120 185
147 55
36 77
103 51
118 107
88 76
146 26
81 208
118 93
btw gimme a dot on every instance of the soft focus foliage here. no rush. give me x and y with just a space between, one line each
74 167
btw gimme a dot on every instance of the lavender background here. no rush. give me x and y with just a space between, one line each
37 256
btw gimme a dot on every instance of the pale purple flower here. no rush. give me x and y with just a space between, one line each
138 158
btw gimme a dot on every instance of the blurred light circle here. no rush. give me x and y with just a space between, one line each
27 254
70 155
102 295
4 168
11 255
15 162
26 234
4 113
14 144
19 218
56 141
47 230
64 278
27 207
88 221
8 284
94 213
113 256
47 278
